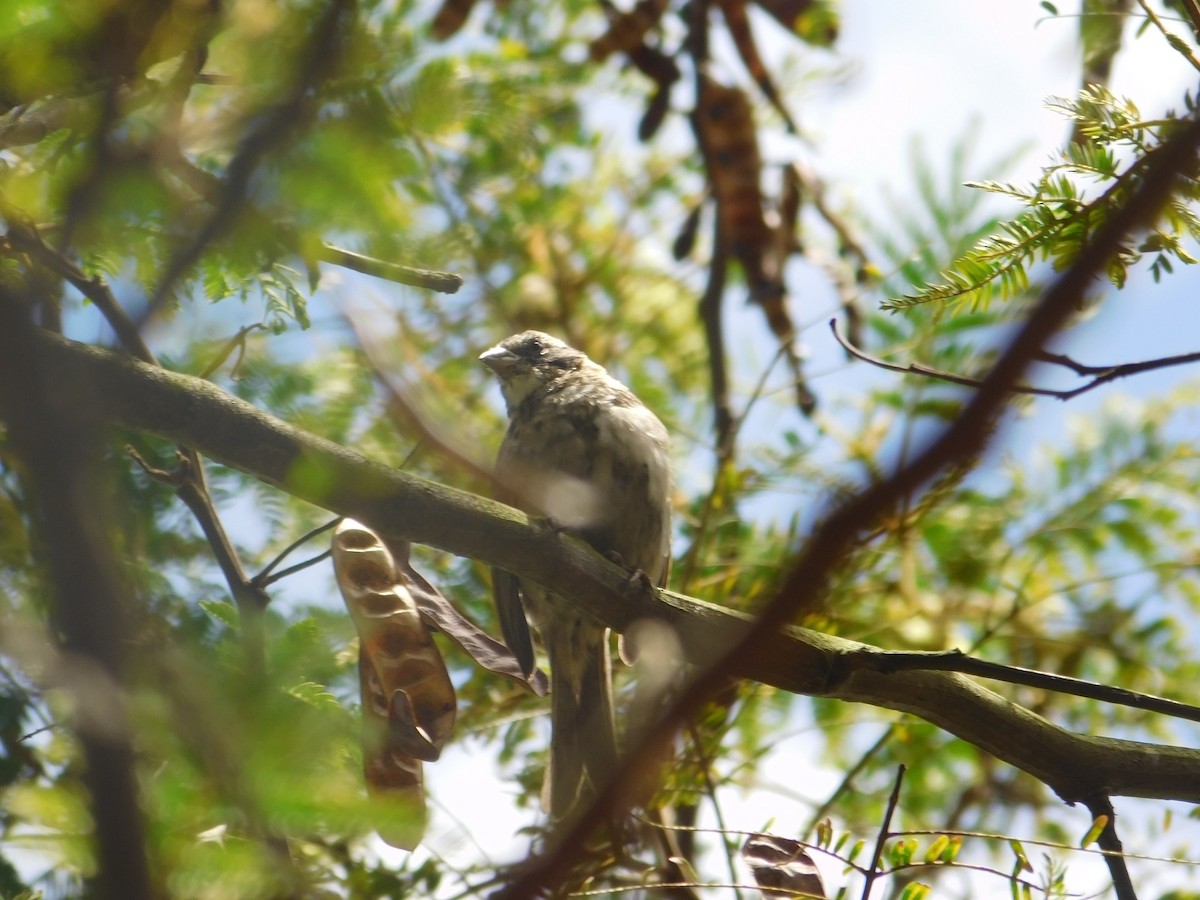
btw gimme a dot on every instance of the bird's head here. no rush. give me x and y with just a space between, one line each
529 361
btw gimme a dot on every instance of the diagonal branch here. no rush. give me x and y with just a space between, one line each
26 238
884 834
403 506
212 189
317 62
1101 374
188 480
431 279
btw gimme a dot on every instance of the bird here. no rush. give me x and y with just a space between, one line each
584 452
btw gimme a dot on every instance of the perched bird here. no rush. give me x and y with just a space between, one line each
584 452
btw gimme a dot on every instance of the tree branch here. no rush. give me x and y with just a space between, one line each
714 333
403 506
956 661
318 59
1101 374
431 279
1110 843
884 828
211 188
189 480
26 238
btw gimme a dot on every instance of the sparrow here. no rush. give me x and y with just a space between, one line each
585 453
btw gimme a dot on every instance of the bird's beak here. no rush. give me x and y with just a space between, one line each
498 359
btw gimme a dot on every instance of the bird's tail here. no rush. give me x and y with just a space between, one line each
583 745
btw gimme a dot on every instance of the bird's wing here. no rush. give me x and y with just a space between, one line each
506 587
506 593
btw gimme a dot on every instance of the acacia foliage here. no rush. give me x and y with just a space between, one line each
199 168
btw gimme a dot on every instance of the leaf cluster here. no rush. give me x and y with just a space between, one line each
1073 198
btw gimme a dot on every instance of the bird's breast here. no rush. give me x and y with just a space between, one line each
600 470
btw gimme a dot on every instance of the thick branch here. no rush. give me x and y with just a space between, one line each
196 413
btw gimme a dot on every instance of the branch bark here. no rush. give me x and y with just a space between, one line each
402 506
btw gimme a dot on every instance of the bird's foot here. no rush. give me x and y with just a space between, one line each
637 577
551 524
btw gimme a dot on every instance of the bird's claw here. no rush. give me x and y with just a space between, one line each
637 575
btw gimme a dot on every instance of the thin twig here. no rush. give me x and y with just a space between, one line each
1103 374
26 237
1110 843
884 834
444 282
210 188
317 61
37 731
238 341
298 567
955 661
1037 842
263 576
1109 373
675 865
192 489
848 246
1171 37
692 557
710 788
848 779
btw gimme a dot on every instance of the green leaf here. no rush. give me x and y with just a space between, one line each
1094 832
315 695
222 611
936 849
1022 861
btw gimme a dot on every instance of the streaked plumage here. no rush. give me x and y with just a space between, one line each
583 451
